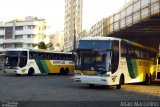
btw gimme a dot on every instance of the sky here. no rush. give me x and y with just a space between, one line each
53 11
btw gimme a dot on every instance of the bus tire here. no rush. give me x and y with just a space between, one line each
66 71
147 80
30 71
91 85
18 75
121 82
158 75
150 77
62 71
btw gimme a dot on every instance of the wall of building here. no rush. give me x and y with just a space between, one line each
73 22
58 41
22 33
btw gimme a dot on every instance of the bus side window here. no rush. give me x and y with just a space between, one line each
115 56
143 54
69 57
49 56
137 52
114 61
124 49
42 56
56 57
34 55
63 56
31 55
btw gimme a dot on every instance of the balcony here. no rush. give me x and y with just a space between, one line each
28 31
13 41
26 40
26 23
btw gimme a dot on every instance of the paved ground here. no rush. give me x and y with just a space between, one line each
62 88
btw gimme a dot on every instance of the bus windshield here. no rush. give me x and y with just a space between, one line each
16 59
93 60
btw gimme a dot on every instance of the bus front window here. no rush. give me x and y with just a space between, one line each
11 61
16 59
93 60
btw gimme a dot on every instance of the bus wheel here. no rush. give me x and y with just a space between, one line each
147 80
66 71
121 82
91 85
18 75
62 71
30 72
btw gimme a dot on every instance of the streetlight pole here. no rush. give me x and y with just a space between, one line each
74 30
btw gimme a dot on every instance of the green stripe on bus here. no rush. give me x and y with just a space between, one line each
132 67
44 66
40 66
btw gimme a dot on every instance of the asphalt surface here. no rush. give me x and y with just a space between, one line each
62 88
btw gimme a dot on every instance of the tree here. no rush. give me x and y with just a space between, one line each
50 46
42 45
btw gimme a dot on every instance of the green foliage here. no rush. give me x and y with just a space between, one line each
49 45
42 45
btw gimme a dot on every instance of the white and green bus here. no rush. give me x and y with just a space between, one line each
113 61
27 61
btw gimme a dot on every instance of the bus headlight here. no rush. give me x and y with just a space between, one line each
16 68
105 75
77 80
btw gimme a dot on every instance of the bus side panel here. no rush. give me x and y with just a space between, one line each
134 70
71 68
33 64
44 66
53 68
50 66
141 70
152 70
132 67
128 67
40 65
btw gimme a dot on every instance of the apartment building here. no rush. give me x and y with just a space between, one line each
25 33
99 28
1 35
82 34
73 23
58 41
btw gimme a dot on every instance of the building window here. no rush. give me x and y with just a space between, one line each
1 36
30 45
8 32
1 28
8 45
31 36
18 36
18 45
19 28
31 26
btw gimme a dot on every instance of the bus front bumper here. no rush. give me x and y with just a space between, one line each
10 71
90 79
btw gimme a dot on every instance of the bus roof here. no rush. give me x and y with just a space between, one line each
37 50
119 39
17 49
100 38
